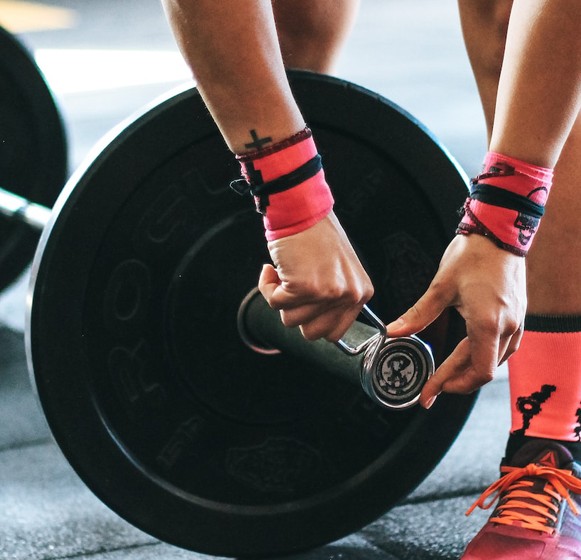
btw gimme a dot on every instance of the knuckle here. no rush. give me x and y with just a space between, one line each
345 296
274 304
482 377
512 325
368 294
333 337
288 320
366 289
356 297
311 333
306 289
488 325
486 378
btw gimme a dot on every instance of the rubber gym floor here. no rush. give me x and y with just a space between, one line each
105 59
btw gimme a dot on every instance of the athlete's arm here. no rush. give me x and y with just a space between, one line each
232 49
538 101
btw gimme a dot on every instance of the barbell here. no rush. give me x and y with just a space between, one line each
141 286
391 371
33 150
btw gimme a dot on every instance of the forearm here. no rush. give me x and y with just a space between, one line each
539 94
232 49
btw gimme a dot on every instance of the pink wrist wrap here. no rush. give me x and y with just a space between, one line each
507 202
288 184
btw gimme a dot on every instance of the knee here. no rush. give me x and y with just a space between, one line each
303 47
485 25
500 15
312 33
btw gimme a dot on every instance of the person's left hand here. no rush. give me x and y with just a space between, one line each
487 286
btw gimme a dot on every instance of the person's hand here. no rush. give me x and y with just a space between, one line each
318 283
487 285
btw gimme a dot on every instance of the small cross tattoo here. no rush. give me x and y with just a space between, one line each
257 142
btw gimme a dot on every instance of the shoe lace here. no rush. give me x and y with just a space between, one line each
518 505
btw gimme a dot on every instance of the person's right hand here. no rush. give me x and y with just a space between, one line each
318 283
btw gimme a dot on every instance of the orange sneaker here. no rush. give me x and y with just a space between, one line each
536 516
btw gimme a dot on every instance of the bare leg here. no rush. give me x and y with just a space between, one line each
484 24
311 32
554 262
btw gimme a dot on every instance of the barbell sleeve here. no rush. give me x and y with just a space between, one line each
22 210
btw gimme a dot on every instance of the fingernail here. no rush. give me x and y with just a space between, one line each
430 402
394 325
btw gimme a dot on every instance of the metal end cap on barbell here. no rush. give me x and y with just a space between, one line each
395 370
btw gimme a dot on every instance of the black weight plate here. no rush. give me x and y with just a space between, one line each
155 401
33 151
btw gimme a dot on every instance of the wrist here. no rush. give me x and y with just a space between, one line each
507 202
288 184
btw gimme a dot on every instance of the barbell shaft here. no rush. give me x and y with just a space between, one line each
391 371
22 210
261 328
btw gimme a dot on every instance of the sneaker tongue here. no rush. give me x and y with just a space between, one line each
546 453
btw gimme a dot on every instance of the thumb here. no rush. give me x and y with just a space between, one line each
268 280
425 311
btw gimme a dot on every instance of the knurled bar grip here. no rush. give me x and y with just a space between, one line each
22 210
